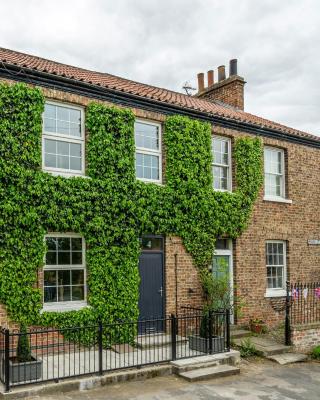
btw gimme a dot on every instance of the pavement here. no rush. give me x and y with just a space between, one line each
259 380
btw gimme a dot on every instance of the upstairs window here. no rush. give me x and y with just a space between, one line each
274 179
63 139
148 151
221 166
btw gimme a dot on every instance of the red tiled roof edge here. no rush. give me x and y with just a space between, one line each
22 60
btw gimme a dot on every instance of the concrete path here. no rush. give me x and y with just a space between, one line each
258 381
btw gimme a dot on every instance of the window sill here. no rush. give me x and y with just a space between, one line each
150 181
64 307
277 199
65 174
275 293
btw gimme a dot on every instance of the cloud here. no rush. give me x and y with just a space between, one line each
166 43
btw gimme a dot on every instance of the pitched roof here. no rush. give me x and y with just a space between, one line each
108 81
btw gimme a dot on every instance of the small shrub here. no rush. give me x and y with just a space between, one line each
23 348
247 349
315 354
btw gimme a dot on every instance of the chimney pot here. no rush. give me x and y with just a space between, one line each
221 73
233 67
201 82
210 78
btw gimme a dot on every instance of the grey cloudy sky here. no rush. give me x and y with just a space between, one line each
166 42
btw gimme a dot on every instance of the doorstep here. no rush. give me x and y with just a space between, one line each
86 383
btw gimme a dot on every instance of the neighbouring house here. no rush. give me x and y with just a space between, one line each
280 242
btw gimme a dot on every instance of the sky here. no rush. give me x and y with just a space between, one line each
167 42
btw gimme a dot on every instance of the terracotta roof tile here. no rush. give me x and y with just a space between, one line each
143 90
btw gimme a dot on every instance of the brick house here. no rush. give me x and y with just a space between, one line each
276 246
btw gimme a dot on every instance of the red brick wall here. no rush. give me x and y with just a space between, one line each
295 223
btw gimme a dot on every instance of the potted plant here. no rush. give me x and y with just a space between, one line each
257 325
24 366
218 295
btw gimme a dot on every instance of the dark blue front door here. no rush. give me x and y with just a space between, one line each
151 285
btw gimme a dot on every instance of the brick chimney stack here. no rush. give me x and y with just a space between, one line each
227 90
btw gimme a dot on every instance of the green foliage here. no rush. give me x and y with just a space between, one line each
315 354
23 348
248 349
111 209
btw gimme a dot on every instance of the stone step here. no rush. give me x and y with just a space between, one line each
288 358
157 340
240 333
231 357
265 346
202 374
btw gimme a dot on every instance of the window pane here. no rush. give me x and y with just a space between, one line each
75 116
275 265
75 150
75 130
49 125
75 163
50 278
63 258
51 258
149 243
63 162
77 277
64 277
76 243
63 148
63 127
64 293
50 146
49 111
77 293
51 243
147 166
50 161
77 257
63 113
64 243
222 244
50 294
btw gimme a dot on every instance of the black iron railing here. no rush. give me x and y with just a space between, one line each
302 305
76 351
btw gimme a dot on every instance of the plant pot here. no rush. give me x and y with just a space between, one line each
198 343
24 371
257 327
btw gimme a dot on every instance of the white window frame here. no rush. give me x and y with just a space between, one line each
282 197
150 152
65 138
61 306
229 166
277 292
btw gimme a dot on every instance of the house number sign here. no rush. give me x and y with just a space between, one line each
314 241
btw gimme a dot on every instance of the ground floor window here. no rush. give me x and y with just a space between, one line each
276 266
64 271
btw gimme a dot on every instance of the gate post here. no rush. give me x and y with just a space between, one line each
6 360
173 337
100 346
210 332
287 318
227 316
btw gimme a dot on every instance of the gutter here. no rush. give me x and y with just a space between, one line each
52 81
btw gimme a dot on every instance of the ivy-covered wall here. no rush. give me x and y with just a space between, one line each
111 209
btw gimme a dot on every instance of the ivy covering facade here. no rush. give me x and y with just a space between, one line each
111 209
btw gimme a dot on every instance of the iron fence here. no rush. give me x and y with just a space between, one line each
302 305
59 353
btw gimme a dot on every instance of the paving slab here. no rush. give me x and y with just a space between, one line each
240 333
288 358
